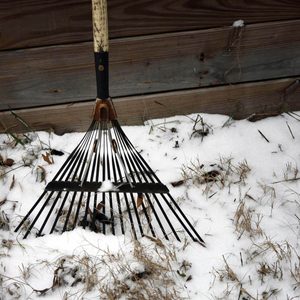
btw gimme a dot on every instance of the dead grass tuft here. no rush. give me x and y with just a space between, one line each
150 275
4 221
247 220
222 174
149 271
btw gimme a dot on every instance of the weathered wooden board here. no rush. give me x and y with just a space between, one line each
156 63
238 101
28 23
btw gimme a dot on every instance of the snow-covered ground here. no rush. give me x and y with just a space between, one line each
237 181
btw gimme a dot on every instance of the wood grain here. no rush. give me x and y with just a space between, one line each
237 101
156 63
29 23
100 25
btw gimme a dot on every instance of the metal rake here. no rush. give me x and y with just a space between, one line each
105 184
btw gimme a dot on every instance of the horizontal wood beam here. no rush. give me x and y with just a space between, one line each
156 63
29 23
238 101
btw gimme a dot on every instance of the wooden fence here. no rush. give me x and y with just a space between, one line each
167 57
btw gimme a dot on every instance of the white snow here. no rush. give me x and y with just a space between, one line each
248 213
238 23
107 186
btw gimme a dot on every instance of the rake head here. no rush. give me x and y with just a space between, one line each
107 186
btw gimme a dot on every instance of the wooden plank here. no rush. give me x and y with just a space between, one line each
238 101
28 23
140 65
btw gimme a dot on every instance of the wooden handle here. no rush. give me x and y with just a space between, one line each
100 25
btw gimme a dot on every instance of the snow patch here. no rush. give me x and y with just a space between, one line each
107 186
230 206
238 23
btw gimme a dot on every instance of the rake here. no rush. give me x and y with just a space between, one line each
105 184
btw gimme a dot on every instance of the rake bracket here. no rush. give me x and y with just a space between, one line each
104 111
97 187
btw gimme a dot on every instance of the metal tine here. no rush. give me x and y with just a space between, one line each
96 145
91 151
147 216
58 214
156 216
113 162
151 205
89 141
103 169
112 219
108 149
83 160
77 210
85 164
173 201
68 161
31 210
97 162
86 170
130 216
200 240
49 213
142 168
72 156
119 157
137 156
137 214
94 213
166 217
84 221
123 155
37 216
127 204
76 159
149 170
128 159
177 216
76 162
139 168
69 212
126 154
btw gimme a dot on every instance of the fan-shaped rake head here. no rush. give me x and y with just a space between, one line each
107 186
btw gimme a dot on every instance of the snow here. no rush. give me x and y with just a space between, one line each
238 23
106 186
241 192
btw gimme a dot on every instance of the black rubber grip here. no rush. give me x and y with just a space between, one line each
101 64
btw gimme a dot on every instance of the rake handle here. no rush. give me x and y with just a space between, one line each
100 25
101 46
